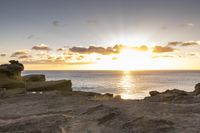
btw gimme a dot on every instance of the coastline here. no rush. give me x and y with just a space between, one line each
83 112
32 104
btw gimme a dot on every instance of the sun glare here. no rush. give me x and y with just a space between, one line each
130 59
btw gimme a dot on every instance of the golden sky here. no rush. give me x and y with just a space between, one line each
173 55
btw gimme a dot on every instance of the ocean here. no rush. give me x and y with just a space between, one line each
128 84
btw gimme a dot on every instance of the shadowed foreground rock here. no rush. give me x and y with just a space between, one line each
79 112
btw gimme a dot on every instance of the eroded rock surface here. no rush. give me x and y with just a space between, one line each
173 95
77 113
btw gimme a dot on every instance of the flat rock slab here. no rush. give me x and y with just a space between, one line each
62 113
64 85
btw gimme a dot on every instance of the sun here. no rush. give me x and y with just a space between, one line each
130 59
127 59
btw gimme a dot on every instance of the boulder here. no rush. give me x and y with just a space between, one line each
168 96
154 93
10 79
176 92
64 85
118 97
12 70
34 78
197 89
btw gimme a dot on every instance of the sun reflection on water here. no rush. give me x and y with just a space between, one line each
127 86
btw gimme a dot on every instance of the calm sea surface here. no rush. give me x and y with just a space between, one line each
129 84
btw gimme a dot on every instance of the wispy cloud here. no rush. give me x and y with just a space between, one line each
20 53
55 61
41 47
57 23
187 25
32 36
95 49
2 55
24 57
162 49
61 49
188 43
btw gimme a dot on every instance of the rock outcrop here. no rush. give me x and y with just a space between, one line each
197 89
11 80
64 85
13 83
169 96
34 78
12 70
154 93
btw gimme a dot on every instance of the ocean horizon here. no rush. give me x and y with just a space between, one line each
128 84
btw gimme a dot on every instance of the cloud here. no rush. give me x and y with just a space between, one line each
94 49
33 37
41 54
57 23
162 49
61 49
55 61
24 57
174 43
189 43
106 50
187 25
41 47
141 48
2 55
20 53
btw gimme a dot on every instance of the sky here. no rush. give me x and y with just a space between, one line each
101 34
